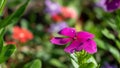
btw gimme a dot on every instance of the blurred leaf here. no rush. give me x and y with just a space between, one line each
2 4
6 52
118 22
1 38
14 3
57 63
100 44
59 1
58 51
24 23
107 34
114 52
39 27
13 18
91 27
109 48
99 13
117 43
112 24
34 64
71 22
87 65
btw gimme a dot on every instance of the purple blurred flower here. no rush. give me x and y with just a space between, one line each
79 40
52 7
107 65
56 27
109 5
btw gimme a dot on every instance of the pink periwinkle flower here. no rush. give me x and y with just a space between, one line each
79 40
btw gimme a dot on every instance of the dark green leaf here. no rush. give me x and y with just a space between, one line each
117 22
6 52
13 18
1 38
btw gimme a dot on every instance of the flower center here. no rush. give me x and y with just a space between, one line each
74 38
21 35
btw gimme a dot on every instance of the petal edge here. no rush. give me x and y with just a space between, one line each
60 41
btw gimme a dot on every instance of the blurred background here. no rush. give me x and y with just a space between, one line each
42 20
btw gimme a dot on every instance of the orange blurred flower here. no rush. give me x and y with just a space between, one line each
21 34
69 12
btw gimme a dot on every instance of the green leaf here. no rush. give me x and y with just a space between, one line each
91 27
100 44
34 64
114 52
86 60
6 52
2 5
117 43
88 65
83 56
56 63
107 34
117 22
1 38
13 18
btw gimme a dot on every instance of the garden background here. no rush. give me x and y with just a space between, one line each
27 26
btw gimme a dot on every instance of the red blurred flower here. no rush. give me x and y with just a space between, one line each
11 42
69 12
21 34
57 18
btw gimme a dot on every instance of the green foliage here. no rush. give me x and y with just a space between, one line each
104 25
57 63
107 34
13 18
1 38
114 52
84 60
2 5
117 43
6 52
87 65
101 44
107 47
34 64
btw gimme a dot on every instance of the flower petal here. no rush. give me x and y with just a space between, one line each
68 32
73 47
60 41
90 46
112 5
83 35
